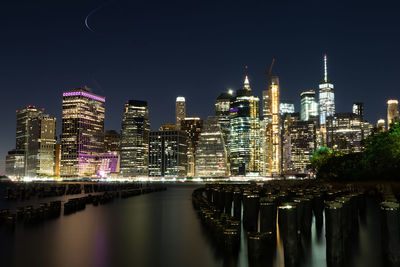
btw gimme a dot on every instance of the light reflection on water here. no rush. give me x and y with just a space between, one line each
157 229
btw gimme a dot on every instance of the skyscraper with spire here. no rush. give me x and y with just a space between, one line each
244 136
326 96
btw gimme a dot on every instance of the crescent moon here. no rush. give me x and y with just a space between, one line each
86 23
92 12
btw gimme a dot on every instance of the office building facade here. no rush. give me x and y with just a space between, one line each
134 147
180 110
192 128
286 107
308 105
40 155
211 153
82 137
167 153
244 138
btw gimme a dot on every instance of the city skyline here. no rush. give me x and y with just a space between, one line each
123 54
182 114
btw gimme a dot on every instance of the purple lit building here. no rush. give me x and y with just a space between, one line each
108 164
82 138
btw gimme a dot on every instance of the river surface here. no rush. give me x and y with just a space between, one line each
156 229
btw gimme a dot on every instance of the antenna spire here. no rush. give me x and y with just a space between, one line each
325 69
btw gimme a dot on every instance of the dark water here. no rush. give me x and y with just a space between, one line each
157 229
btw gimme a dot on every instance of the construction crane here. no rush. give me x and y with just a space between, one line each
269 71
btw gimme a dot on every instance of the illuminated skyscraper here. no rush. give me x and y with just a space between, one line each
35 141
308 105
326 96
300 144
286 107
24 117
273 133
381 125
345 131
358 109
392 111
180 110
244 138
211 153
168 153
82 138
40 155
222 104
222 111
192 127
135 132
286 121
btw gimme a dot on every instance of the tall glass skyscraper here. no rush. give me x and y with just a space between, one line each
326 96
24 119
211 153
168 153
82 138
308 105
244 138
135 139
222 111
180 110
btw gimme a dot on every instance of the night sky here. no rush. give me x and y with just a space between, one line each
157 50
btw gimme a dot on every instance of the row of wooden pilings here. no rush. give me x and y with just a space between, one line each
30 215
283 212
16 191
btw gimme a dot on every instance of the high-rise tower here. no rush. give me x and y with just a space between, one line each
309 106
134 149
358 109
82 138
326 96
244 136
392 111
192 127
41 147
222 112
168 152
24 117
211 153
273 133
180 110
